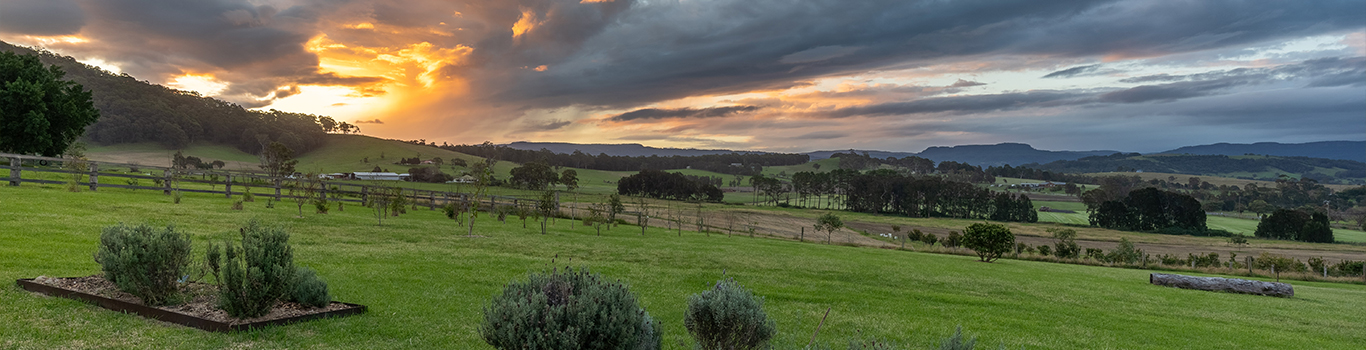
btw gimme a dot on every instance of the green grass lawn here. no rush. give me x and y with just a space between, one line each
425 284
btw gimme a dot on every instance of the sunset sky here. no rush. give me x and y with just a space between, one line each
793 75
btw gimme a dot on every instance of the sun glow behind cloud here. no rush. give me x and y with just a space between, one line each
204 84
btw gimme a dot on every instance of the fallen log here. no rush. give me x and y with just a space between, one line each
1220 284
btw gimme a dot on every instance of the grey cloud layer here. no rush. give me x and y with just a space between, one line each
667 113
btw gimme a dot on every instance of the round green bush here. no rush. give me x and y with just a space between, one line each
567 309
144 261
728 317
309 289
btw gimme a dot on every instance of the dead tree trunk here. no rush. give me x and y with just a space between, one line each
1220 284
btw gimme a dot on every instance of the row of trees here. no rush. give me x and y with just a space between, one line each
915 166
1150 209
664 185
734 163
539 175
1296 225
889 191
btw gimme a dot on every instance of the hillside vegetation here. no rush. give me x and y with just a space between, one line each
133 111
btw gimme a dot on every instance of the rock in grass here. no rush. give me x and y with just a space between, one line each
1220 284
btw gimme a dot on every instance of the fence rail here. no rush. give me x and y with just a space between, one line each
283 187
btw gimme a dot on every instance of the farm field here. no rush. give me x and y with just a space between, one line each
425 284
1230 224
1213 180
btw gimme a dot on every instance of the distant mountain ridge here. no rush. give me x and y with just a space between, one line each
981 155
620 149
1342 150
1002 154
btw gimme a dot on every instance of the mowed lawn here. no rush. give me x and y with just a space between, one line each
425 284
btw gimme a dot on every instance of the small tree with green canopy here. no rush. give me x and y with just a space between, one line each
39 112
829 223
1067 243
990 241
545 208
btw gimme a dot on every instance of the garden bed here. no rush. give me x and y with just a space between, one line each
197 312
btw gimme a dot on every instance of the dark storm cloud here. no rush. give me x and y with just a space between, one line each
966 104
1074 71
966 83
665 50
1325 72
548 125
41 17
675 113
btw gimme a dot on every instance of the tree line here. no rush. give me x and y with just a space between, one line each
913 165
732 164
665 185
1353 172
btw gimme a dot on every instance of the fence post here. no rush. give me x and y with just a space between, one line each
431 200
1249 265
364 196
277 189
15 164
167 181
802 238
94 176
227 186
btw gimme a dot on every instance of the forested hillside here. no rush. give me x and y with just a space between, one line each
139 111
1245 167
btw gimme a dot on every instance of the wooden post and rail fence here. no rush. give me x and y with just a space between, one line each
96 175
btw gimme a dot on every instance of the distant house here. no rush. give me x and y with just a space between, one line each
378 176
335 176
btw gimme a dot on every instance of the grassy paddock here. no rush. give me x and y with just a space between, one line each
425 284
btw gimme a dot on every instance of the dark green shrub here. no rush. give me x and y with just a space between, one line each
728 317
929 238
1125 253
144 261
1045 250
953 240
308 289
1066 247
567 309
1095 254
258 274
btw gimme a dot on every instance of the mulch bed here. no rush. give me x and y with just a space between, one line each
201 304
